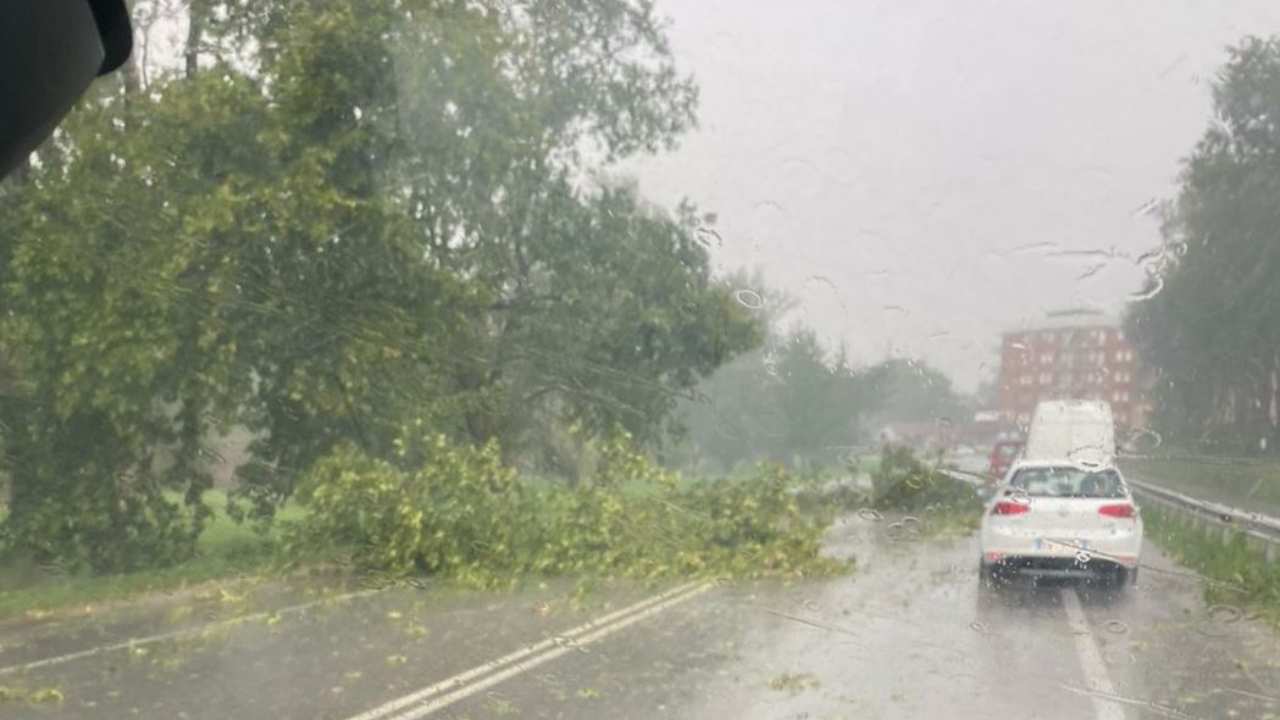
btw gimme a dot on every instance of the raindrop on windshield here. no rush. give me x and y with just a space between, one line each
825 281
1154 285
706 235
1116 627
749 299
1225 614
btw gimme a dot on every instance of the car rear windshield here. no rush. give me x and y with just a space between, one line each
1068 482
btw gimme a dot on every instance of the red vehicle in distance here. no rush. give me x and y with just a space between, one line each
1003 453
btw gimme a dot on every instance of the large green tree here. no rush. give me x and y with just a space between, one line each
1211 323
333 219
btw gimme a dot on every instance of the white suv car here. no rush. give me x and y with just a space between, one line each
1061 519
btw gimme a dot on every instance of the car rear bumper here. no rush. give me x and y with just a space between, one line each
1053 546
1057 567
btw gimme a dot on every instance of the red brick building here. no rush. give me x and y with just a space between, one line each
1074 354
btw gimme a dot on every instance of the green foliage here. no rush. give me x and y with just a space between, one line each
1212 323
903 482
343 216
225 549
460 513
1236 573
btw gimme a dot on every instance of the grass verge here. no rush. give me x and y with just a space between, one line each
1253 486
225 550
1237 573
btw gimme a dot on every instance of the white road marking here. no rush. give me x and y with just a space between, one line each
174 634
452 683
527 665
1095 670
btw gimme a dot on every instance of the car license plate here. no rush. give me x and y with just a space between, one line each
1041 543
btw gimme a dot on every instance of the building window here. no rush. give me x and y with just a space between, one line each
1046 358
1046 378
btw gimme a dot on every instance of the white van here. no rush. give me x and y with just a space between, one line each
1078 431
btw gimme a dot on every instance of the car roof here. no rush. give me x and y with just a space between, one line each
1042 463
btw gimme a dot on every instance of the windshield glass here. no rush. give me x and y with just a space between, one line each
402 359
1067 482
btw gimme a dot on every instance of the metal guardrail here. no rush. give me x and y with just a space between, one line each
964 476
1261 529
1198 459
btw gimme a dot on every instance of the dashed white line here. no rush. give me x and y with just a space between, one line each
487 674
1095 670
174 634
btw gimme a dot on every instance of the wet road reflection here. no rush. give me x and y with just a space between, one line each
911 634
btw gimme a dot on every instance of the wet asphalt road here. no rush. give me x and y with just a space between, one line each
909 635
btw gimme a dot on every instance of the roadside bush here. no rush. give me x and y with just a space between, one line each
461 513
903 482
1234 572
102 529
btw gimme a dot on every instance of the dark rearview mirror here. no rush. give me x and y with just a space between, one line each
50 52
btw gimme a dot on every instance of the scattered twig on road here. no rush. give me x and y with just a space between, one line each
1150 705
811 623
1256 696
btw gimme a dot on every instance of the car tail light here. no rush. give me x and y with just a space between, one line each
1009 507
1122 510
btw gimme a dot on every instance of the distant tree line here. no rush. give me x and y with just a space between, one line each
794 401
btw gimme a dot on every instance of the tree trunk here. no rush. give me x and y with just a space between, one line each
195 31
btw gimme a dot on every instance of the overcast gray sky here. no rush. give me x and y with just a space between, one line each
911 171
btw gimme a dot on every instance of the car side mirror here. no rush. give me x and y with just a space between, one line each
50 52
